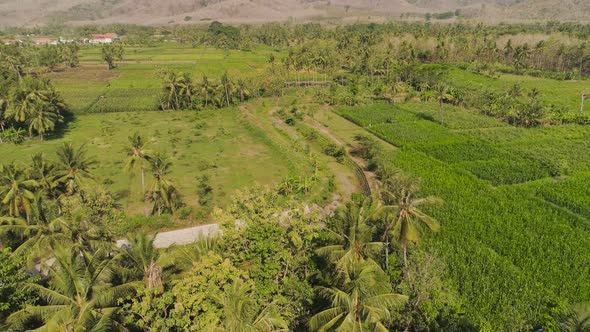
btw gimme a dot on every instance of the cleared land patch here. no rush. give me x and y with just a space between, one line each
214 143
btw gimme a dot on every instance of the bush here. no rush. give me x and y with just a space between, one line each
184 212
13 135
204 190
335 151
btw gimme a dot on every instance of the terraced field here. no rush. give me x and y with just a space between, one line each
515 231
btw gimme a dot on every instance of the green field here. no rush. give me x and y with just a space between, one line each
236 151
220 144
513 249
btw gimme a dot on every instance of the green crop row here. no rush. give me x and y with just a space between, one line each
573 193
375 114
452 117
126 100
507 171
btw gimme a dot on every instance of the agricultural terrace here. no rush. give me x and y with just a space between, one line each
515 220
494 161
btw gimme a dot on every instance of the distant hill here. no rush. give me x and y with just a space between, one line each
31 12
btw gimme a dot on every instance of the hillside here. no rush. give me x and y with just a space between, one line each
31 12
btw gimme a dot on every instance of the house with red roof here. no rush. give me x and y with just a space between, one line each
44 41
103 38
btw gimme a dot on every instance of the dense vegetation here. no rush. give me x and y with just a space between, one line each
467 146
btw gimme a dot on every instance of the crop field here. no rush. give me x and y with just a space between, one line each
219 144
211 61
515 234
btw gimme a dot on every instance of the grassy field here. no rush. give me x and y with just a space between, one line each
514 236
134 86
563 93
236 148
220 144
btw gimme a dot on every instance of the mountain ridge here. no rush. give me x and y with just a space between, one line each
33 12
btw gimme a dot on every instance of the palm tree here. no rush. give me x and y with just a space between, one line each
35 99
43 120
185 91
144 259
406 226
395 86
162 193
226 86
170 97
361 302
80 296
40 237
576 319
24 99
242 314
243 91
73 167
16 190
442 95
137 156
183 257
43 233
354 235
43 171
3 107
178 90
86 233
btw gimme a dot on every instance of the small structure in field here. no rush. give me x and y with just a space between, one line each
103 38
45 41
585 96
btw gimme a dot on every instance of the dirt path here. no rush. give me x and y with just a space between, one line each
370 176
346 182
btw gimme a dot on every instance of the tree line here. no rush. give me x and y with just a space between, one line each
370 48
181 92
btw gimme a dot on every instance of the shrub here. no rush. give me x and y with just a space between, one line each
13 135
204 190
335 151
